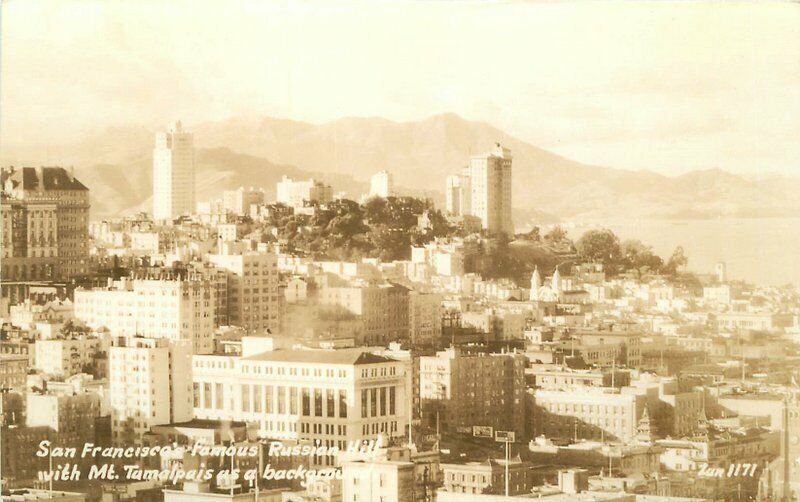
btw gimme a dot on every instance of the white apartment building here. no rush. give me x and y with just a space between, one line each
587 413
378 480
490 181
331 396
171 305
65 357
254 296
27 314
173 173
240 201
150 383
458 194
297 193
381 184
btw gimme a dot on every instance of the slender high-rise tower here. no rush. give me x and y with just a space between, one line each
173 173
490 177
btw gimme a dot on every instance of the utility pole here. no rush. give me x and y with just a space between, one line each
260 464
233 454
437 429
410 410
787 488
508 460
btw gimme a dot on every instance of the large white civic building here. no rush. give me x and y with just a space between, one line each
335 397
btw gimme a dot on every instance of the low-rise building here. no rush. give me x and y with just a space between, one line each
489 477
13 371
378 480
587 413
65 357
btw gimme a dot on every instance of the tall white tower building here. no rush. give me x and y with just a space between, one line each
721 272
381 185
490 178
173 173
459 194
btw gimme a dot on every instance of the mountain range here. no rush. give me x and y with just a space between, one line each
116 165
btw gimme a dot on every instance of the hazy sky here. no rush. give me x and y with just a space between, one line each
665 86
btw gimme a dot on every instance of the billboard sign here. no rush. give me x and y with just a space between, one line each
504 436
482 431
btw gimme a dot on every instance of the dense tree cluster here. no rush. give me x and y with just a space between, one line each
382 228
386 228
603 246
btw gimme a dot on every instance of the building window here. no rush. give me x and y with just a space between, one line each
330 409
317 402
342 404
281 399
245 397
258 398
306 403
196 394
268 407
364 403
219 397
293 400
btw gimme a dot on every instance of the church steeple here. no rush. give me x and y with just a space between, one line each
555 282
644 429
702 424
536 283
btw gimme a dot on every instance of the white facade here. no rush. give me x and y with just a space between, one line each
381 184
240 201
65 357
172 307
150 383
490 179
588 412
297 193
334 396
378 480
173 173
459 194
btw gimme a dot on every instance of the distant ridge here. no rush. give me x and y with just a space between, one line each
116 166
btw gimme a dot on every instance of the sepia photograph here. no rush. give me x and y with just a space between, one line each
399 251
